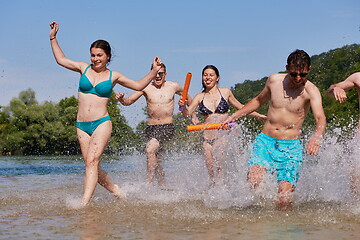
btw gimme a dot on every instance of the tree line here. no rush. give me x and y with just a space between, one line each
30 128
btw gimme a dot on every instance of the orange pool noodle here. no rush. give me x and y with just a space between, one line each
208 126
185 89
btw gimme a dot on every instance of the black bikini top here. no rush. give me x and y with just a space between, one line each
222 107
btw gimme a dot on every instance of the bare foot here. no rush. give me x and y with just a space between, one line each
118 193
285 202
76 204
284 206
162 184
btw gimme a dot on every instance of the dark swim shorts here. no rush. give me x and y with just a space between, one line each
161 132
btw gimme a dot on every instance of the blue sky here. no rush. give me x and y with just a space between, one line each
244 39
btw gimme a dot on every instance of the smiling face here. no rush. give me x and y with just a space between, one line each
297 76
98 57
160 77
298 67
209 78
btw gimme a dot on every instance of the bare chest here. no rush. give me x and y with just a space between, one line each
295 101
161 95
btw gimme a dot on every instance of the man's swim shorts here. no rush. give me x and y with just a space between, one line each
277 155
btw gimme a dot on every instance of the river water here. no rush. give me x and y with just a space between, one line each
38 196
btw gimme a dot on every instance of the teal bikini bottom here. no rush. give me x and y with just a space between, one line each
90 126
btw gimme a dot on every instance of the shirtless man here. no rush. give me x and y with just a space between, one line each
277 148
338 91
160 106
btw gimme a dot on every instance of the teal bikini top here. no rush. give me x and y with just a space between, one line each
102 89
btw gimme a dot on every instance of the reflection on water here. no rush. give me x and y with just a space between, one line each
37 195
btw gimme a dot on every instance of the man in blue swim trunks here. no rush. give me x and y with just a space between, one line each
277 148
160 107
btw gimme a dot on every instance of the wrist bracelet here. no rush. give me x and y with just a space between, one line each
52 38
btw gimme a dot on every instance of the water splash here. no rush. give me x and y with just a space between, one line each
324 177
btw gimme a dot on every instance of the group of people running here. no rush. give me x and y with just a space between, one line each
276 149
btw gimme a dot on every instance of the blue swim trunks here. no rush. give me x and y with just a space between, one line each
277 155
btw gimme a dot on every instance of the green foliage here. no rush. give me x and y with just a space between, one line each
28 97
4 119
29 128
335 65
247 90
184 140
34 129
123 139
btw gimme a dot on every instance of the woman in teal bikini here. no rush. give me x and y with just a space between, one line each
93 121
213 104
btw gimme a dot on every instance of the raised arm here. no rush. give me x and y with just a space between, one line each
313 145
126 101
142 83
58 53
338 90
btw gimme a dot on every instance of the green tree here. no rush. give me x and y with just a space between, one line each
68 143
4 119
28 97
244 92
